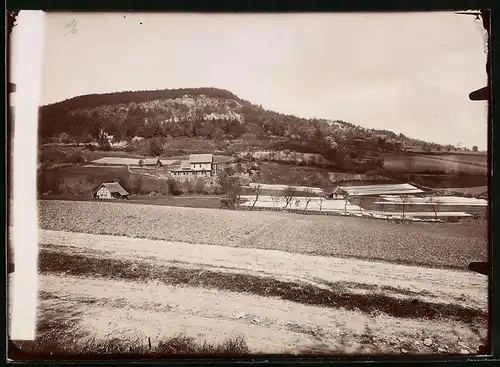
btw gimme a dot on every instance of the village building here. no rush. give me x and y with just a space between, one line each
373 190
196 165
337 193
106 136
110 190
150 162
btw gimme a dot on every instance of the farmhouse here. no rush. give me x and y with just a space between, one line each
196 165
110 190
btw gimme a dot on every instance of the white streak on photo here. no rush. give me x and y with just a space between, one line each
28 36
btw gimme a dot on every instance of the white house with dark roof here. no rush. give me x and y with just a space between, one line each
110 190
196 165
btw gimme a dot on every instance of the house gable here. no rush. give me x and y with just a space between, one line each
112 187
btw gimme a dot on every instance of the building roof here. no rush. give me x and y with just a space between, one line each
151 161
168 162
201 158
185 165
113 187
387 189
338 190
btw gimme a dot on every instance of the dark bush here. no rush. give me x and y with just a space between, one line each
77 158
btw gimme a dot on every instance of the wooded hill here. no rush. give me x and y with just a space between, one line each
218 115
203 112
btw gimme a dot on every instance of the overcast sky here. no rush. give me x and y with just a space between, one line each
405 72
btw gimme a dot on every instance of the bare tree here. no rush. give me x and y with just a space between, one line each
309 195
321 198
289 193
346 199
257 193
435 204
404 201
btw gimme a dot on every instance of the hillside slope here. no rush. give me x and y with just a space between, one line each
200 112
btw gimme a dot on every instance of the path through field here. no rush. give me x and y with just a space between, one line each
281 302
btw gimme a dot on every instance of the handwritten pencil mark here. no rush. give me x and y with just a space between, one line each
71 27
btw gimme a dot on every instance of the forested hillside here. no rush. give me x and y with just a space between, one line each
201 112
216 116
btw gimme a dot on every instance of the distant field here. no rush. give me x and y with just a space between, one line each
450 207
442 245
473 159
315 190
179 201
449 180
447 163
475 208
478 190
288 174
315 204
93 155
76 174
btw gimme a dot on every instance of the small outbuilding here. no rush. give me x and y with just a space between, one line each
110 190
337 193
151 162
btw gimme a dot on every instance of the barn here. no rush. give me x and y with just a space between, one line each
110 190
150 162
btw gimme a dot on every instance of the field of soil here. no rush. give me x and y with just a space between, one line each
75 174
188 201
429 244
118 277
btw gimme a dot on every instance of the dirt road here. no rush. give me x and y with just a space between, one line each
135 311
436 285
106 307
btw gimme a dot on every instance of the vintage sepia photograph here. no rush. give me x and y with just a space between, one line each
252 184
